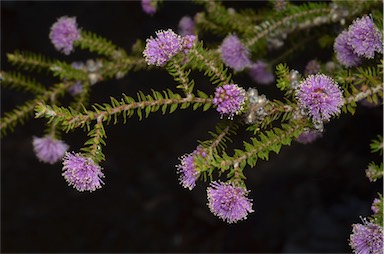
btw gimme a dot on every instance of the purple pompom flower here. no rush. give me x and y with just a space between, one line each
187 169
186 26
160 50
82 172
76 88
260 74
234 53
321 96
188 42
229 99
365 38
64 32
375 205
367 238
344 52
228 202
49 149
309 136
149 6
312 67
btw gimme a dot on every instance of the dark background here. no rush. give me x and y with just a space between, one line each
305 199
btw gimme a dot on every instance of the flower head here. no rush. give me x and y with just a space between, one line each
260 74
161 49
187 169
48 149
309 136
64 32
375 205
373 172
149 6
76 88
229 99
82 172
186 26
321 96
228 202
365 38
187 42
344 52
366 238
280 5
234 53
312 67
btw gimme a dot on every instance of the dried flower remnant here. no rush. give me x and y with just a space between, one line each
64 32
82 172
49 149
229 99
366 238
260 73
321 96
161 49
234 54
228 201
256 107
365 38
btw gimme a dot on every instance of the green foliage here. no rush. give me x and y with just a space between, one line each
138 48
29 61
66 72
18 115
119 68
360 83
93 145
217 15
374 171
210 63
21 113
127 107
97 44
180 75
259 148
213 146
20 82
283 77
82 99
276 23
377 145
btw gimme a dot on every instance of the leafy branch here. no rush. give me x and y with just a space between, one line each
100 45
23 112
18 81
29 61
260 147
205 60
181 76
97 140
127 106
299 14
